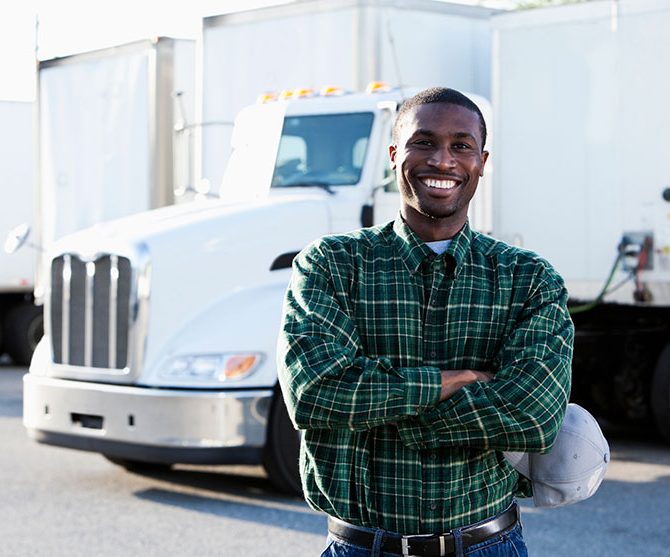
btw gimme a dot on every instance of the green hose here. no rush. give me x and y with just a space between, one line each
586 307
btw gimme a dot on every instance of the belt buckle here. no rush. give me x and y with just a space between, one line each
404 544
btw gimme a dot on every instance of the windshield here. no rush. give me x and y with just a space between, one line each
325 150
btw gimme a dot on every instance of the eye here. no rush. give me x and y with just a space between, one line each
422 142
462 146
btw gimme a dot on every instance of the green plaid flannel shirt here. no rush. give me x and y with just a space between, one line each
370 319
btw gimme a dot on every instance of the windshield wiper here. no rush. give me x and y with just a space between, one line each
325 186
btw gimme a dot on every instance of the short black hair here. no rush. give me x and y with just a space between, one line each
438 95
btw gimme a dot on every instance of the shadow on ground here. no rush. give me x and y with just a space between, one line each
232 495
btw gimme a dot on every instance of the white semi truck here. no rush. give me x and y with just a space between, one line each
161 328
581 119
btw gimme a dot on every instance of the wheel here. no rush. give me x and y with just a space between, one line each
138 465
280 457
24 327
660 394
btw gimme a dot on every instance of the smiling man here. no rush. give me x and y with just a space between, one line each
413 354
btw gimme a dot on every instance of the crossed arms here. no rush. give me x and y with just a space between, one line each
328 384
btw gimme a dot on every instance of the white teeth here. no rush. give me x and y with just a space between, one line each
441 184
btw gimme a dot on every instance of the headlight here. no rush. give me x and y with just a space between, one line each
213 367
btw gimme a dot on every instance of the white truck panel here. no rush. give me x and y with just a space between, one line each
230 325
94 142
579 109
17 183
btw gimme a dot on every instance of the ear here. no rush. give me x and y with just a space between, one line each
485 157
393 149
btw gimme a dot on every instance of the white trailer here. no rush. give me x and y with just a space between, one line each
344 43
20 320
581 117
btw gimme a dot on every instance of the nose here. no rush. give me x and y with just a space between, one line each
442 158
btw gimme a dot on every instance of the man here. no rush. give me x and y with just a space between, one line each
413 354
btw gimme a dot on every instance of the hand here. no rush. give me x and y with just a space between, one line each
454 379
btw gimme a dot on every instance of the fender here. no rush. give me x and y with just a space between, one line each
246 320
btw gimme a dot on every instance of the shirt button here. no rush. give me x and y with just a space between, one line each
433 354
433 506
433 456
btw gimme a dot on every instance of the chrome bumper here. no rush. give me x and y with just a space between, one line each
160 425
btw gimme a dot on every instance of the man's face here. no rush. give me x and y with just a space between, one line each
438 161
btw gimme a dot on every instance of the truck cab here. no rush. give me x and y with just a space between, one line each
160 328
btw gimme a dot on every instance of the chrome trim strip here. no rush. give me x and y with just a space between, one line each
113 302
88 313
67 285
139 314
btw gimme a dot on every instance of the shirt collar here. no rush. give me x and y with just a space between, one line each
413 250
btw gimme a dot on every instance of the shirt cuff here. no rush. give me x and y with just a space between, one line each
423 388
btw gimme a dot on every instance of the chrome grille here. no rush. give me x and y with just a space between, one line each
90 310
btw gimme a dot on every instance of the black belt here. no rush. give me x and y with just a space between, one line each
430 545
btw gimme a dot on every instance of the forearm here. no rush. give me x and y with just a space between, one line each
488 416
522 408
326 387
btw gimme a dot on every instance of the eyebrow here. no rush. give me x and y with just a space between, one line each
466 135
422 131
457 135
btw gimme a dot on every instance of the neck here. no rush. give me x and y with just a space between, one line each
431 229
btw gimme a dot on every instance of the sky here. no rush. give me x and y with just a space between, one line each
50 28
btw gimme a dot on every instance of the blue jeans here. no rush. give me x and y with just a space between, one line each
507 544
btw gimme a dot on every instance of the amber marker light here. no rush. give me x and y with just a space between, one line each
302 93
331 91
238 366
377 87
266 98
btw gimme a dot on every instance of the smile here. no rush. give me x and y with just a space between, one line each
440 184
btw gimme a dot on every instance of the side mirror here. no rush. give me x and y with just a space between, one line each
17 237
367 215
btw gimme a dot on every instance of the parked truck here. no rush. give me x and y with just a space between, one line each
20 319
581 176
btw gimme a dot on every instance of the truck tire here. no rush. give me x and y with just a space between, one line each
138 465
23 329
660 393
282 448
